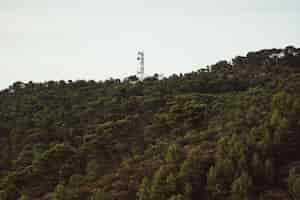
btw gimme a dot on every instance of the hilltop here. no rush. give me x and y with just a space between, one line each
230 131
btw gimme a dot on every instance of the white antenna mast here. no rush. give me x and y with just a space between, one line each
141 60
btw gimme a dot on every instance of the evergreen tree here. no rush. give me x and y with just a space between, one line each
24 197
242 187
185 171
187 191
174 154
171 183
100 195
59 193
158 186
296 188
177 197
294 182
3 195
144 190
212 182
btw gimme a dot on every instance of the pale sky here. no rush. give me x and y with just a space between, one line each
97 39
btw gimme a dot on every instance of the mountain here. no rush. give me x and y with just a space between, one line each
230 131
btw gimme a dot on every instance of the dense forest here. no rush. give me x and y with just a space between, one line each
228 131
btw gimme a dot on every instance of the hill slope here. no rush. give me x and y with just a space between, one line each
228 133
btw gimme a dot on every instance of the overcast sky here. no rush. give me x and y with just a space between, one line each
97 39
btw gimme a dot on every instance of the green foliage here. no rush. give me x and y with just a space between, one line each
177 197
174 154
171 183
92 170
24 197
11 192
187 191
220 177
296 188
212 185
157 185
144 190
59 193
294 182
242 187
100 195
230 132
76 180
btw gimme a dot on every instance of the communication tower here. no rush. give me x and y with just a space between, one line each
141 59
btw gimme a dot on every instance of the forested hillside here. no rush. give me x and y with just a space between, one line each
229 132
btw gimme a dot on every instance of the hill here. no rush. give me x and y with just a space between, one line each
230 132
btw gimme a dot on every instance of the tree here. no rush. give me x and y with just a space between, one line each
212 182
144 190
92 170
177 197
9 193
171 183
75 180
242 187
185 170
220 177
101 195
187 191
174 154
157 186
296 188
59 193
294 182
3 195
24 197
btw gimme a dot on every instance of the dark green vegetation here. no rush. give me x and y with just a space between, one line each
230 133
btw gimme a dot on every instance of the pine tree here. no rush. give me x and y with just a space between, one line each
294 183
242 187
174 154
187 191
100 195
296 188
158 186
24 197
171 183
212 181
185 170
59 192
177 197
144 190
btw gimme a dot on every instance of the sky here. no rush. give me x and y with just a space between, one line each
44 40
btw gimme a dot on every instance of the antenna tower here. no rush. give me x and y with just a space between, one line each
141 59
